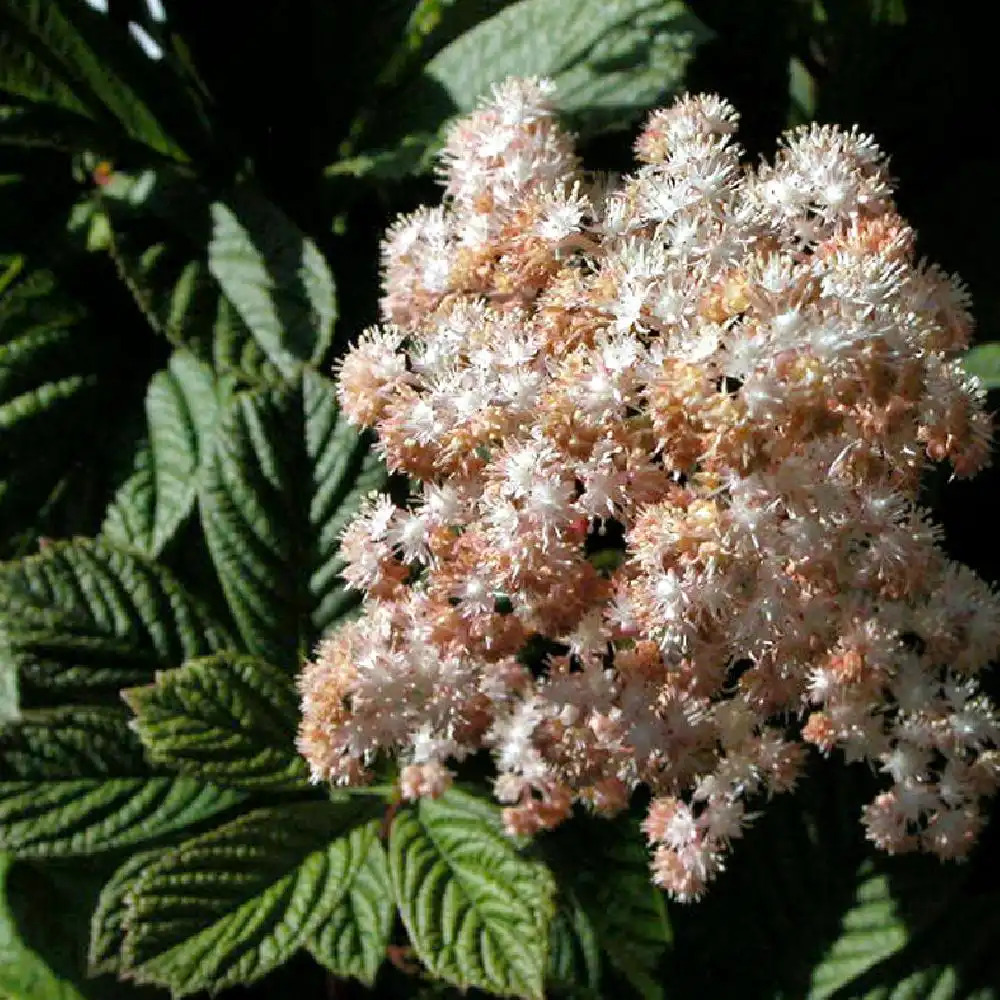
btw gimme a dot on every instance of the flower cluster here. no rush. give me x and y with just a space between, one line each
668 432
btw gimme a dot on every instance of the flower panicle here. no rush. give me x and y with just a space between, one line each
669 430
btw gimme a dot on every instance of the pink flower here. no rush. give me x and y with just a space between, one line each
673 425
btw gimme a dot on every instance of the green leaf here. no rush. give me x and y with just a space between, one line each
477 912
413 155
914 928
803 93
956 960
70 742
44 925
84 614
606 900
74 781
24 974
870 931
807 909
611 59
65 54
107 923
888 11
160 227
275 277
352 943
983 361
181 407
805 848
65 394
229 906
574 951
286 475
36 126
228 719
48 383
9 700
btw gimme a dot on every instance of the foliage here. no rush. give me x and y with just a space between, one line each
189 212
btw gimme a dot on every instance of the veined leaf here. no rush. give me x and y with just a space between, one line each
46 371
229 719
275 277
606 899
574 951
352 942
84 614
611 60
52 363
823 916
74 781
286 475
955 959
160 228
913 925
181 407
804 848
71 742
45 924
476 911
227 907
107 923
62 53
871 930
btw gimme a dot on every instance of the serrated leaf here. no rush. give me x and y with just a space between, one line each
86 816
107 923
84 614
804 848
954 958
574 951
70 742
477 912
915 928
52 363
286 475
160 226
870 931
229 906
983 361
61 53
74 781
228 719
48 373
181 409
612 60
352 942
820 914
607 901
276 279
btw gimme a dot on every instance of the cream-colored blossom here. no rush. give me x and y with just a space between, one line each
668 431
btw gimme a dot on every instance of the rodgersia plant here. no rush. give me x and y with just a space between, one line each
667 433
